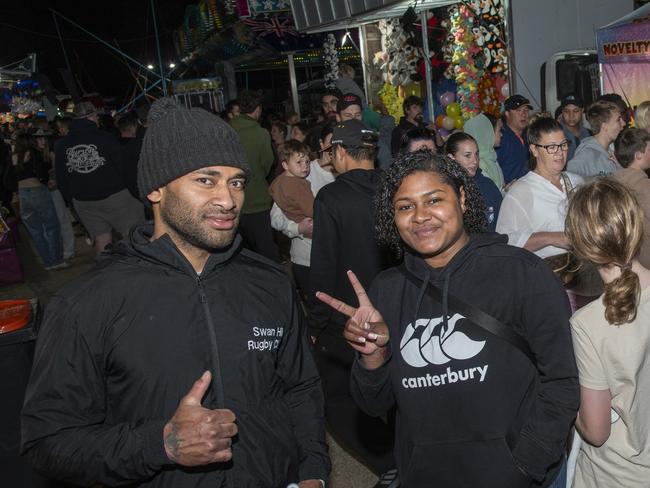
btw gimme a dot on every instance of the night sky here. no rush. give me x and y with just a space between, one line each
28 26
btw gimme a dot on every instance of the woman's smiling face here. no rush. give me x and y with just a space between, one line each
429 217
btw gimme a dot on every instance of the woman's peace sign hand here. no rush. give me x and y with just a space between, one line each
365 329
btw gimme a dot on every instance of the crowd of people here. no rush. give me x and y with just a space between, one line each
507 274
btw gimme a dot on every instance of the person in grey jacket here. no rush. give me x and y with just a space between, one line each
593 157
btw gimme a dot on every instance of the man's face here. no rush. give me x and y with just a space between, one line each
351 112
518 118
614 125
338 158
328 104
572 115
201 209
414 112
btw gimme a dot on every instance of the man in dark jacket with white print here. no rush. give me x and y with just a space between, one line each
182 362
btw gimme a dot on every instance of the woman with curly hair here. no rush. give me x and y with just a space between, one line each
612 339
469 338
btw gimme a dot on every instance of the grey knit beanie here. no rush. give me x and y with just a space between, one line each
180 140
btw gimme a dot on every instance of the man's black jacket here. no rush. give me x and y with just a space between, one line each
120 348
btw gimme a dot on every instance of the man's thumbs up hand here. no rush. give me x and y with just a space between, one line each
200 386
196 436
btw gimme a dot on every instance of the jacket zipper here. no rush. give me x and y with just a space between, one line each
216 363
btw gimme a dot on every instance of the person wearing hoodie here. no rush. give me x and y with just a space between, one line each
183 360
487 135
255 225
88 164
463 149
593 157
343 238
473 409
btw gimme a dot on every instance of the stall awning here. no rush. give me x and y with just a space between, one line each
317 16
626 39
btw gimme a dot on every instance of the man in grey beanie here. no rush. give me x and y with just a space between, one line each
182 362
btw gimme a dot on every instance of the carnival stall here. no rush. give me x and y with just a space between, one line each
624 54
454 54
225 36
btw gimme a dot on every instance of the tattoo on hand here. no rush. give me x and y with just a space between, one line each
172 441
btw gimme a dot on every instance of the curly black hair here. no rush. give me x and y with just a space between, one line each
448 170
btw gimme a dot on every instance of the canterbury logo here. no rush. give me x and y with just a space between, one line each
429 343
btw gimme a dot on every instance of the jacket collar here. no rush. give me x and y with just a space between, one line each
163 251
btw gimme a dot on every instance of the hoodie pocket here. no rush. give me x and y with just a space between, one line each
472 464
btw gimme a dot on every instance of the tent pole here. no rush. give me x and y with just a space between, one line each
65 54
364 59
294 84
427 64
160 65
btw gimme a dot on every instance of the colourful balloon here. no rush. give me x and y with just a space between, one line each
458 122
446 98
505 90
453 109
439 120
448 123
443 133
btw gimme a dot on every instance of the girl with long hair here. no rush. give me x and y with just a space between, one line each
611 339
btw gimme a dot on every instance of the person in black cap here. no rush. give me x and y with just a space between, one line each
183 361
343 240
513 154
573 107
349 107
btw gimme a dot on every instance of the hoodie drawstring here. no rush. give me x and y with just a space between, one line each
423 289
445 306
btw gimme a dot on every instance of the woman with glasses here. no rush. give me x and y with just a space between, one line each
534 208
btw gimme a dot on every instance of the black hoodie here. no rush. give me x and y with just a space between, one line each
120 348
471 407
88 163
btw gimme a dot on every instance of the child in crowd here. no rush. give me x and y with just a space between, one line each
292 203
611 339
291 190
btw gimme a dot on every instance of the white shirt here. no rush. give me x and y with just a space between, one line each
300 246
534 204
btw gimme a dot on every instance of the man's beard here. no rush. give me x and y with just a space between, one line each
191 229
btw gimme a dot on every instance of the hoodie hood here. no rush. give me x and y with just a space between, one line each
590 143
141 250
441 277
480 128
